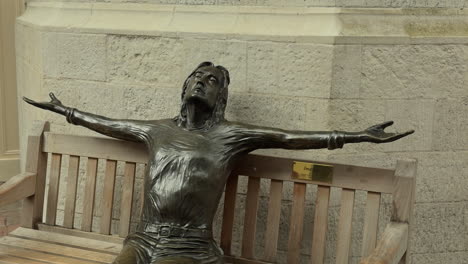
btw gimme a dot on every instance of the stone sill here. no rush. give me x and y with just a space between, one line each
290 24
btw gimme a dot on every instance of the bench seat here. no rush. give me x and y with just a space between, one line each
25 245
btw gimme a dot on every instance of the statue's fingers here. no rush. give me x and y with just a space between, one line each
52 96
409 132
385 124
29 101
398 136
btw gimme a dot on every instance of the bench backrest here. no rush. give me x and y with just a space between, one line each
272 172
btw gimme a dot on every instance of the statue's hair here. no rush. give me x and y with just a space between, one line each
221 102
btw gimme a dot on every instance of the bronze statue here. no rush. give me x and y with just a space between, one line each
190 158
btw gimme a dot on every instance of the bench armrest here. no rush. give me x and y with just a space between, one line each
391 247
17 188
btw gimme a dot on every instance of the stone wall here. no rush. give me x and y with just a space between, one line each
347 78
300 3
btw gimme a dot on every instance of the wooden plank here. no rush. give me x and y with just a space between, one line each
404 188
296 224
89 192
102 148
6 258
127 199
36 162
371 222
68 240
56 249
320 225
31 256
250 218
239 260
403 196
70 198
108 197
79 233
273 220
344 176
392 246
345 226
52 196
228 213
17 188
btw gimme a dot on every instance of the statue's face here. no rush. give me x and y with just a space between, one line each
204 85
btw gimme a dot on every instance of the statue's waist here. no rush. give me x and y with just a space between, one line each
167 230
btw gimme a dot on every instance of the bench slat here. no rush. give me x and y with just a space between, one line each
250 220
32 257
371 222
70 199
320 224
89 192
273 220
68 240
52 195
127 199
344 176
98 147
297 223
56 249
6 258
228 213
238 260
345 226
79 233
108 197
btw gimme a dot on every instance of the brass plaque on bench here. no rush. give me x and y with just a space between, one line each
312 172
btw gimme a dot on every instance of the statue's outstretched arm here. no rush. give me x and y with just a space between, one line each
279 138
123 129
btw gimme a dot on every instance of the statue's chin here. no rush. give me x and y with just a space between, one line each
199 102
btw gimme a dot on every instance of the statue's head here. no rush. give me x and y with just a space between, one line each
207 86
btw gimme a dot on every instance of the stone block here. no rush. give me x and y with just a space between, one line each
429 237
230 54
286 112
415 115
346 72
75 56
417 71
28 45
151 103
437 258
450 125
262 66
145 60
304 70
317 117
442 177
352 3
196 2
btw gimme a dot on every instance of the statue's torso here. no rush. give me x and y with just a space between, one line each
187 173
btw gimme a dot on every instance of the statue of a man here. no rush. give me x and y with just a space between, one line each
190 158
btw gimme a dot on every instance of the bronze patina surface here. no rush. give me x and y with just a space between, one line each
190 158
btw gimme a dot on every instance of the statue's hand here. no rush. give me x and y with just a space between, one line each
54 105
376 134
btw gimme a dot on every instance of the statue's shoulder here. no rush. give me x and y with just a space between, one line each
234 126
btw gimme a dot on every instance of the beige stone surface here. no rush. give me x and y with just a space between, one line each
301 3
279 78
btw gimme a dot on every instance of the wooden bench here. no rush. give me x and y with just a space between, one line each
42 240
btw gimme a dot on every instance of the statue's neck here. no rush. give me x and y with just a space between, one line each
198 115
